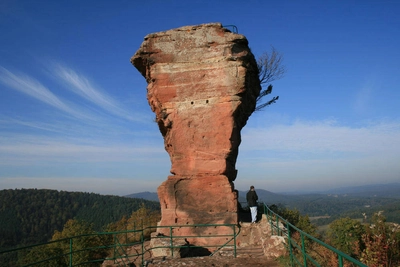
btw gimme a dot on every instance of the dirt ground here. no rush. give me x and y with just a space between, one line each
214 262
206 261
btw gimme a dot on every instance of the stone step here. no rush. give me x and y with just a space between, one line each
255 251
243 252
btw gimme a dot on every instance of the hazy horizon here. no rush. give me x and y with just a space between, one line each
239 189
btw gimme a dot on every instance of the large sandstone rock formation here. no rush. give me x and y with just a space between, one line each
202 85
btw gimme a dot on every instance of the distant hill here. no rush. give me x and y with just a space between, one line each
152 196
376 190
391 190
29 216
349 201
264 196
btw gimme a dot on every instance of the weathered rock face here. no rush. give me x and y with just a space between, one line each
202 85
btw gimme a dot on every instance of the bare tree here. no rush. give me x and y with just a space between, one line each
270 68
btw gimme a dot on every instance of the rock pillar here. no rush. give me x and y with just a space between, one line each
202 85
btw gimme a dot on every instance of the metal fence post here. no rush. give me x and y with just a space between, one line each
142 241
290 243
340 260
70 252
171 241
134 231
234 241
126 232
272 226
114 247
277 226
303 249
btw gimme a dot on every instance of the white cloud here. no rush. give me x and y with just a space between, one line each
35 89
318 137
80 85
85 136
25 149
310 156
364 97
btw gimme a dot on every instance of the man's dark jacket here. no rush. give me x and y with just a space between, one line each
251 198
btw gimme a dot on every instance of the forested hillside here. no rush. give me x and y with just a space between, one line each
30 216
333 206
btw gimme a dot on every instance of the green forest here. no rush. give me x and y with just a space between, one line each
335 207
30 216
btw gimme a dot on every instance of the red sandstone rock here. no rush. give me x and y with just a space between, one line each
202 85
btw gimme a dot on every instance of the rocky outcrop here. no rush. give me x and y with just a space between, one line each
202 85
261 236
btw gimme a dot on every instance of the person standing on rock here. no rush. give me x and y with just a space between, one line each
252 198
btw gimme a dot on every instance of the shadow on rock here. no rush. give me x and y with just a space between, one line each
189 250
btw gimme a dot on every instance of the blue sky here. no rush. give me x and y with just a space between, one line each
74 114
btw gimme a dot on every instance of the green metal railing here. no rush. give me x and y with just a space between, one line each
229 242
300 250
68 252
234 28
113 246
